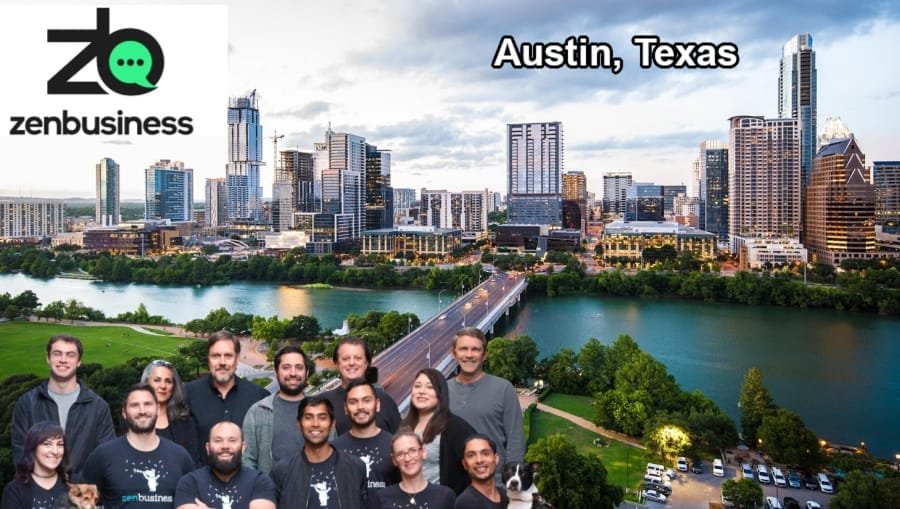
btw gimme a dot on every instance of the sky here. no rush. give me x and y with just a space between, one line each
415 77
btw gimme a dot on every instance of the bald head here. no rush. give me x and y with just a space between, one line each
226 429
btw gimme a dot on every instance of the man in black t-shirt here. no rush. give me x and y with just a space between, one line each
365 440
225 483
480 459
140 469
319 476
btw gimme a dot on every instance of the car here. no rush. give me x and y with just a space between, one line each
670 474
793 478
651 478
778 477
681 464
810 482
773 503
746 471
790 503
762 474
718 468
654 496
697 466
812 504
824 483
662 488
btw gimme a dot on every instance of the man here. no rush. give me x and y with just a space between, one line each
139 469
366 440
480 459
220 395
64 400
225 482
489 403
353 360
270 426
319 476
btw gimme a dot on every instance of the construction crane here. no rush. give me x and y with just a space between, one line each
275 137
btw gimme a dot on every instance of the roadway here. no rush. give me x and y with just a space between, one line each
430 344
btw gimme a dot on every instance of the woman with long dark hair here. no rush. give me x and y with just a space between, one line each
40 479
443 433
174 420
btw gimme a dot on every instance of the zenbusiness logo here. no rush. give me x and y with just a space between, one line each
129 61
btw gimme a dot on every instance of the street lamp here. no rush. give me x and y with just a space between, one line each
408 325
439 299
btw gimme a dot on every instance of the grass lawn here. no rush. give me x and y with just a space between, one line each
23 345
575 405
616 457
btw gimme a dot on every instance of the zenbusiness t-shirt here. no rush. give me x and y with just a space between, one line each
323 486
434 496
375 453
18 495
237 493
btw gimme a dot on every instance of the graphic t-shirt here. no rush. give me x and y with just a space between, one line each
434 496
18 495
375 453
471 498
245 486
323 486
127 477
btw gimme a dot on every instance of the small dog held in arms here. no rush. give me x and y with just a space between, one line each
518 478
83 496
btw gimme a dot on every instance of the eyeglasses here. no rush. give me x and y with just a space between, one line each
412 452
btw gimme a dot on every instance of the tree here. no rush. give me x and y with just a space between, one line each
564 375
303 328
570 480
512 359
755 403
591 359
269 329
785 437
861 490
744 493
669 440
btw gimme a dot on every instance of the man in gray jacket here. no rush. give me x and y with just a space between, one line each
270 426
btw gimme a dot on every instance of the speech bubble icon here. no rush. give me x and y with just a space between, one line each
130 62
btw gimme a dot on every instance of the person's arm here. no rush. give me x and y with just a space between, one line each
261 503
12 497
251 452
104 430
263 496
513 426
20 425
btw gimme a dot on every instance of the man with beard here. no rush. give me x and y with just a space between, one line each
365 439
225 482
270 426
220 395
319 476
139 469
480 459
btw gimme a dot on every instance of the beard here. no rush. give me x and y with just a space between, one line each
135 427
292 391
224 466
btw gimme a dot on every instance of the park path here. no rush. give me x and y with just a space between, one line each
588 425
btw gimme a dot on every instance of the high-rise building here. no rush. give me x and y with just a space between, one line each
379 196
713 215
669 192
297 169
347 153
615 186
763 179
496 202
404 198
107 208
341 196
31 217
169 191
466 211
282 207
574 195
840 209
797 95
216 203
245 197
534 164
644 202
886 177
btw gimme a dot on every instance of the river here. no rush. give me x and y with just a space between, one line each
837 370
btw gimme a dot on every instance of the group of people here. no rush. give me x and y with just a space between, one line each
222 441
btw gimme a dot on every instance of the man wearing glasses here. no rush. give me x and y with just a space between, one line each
64 400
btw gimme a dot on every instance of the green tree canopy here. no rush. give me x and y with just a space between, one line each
862 490
570 480
755 403
785 437
744 493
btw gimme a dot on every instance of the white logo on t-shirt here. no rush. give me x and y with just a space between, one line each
322 489
367 459
226 501
152 478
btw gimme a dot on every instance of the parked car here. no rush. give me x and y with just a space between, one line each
696 466
791 503
794 480
747 472
812 504
810 482
778 477
654 496
773 503
824 483
718 468
662 488
681 464
762 474
656 480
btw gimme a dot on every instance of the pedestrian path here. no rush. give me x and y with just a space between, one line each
588 425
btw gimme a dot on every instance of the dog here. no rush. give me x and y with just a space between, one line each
518 478
83 496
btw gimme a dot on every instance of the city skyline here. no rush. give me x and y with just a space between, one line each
442 109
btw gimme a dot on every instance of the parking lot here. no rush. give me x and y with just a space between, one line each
692 491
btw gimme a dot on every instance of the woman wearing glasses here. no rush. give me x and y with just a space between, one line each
414 491
443 433
174 420
40 479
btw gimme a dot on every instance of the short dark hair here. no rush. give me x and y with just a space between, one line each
65 338
359 383
472 332
352 340
286 349
314 401
137 387
39 433
480 436
223 335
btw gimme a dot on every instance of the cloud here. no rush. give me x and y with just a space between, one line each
117 142
682 139
305 112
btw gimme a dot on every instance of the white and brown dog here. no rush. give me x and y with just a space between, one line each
518 478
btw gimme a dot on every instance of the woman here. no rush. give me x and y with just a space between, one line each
40 479
174 420
353 360
414 491
443 433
